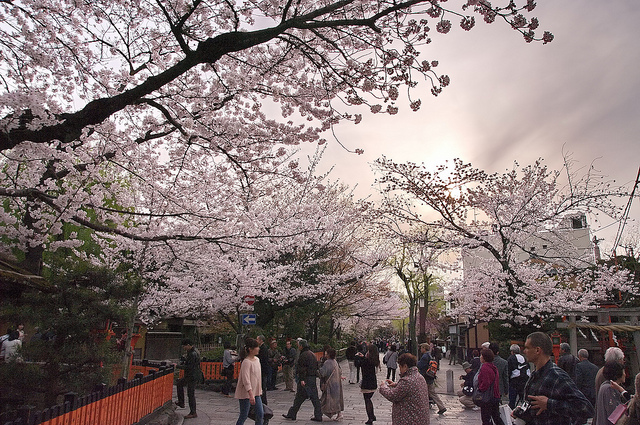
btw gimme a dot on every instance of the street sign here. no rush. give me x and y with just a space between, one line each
248 319
249 299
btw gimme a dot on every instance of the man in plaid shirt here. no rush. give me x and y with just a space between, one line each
554 397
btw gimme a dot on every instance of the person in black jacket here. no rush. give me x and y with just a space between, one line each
586 376
567 361
192 376
368 363
306 372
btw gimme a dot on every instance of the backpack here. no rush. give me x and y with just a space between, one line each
432 369
523 370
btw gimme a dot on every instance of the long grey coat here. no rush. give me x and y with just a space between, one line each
331 401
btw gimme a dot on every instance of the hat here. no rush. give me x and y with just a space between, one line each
466 365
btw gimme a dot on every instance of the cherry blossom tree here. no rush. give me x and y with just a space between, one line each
524 259
305 243
417 264
152 120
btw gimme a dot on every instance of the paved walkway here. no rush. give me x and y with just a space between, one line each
216 409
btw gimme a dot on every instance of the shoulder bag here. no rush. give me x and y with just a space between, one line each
483 398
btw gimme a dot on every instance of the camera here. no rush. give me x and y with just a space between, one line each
523 413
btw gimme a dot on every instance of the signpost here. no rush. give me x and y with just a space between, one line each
248 319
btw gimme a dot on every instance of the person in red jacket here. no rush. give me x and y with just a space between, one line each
488 377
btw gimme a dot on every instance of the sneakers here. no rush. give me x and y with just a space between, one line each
475 408
441 411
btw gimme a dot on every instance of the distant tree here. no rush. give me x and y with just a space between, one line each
522 262
416 265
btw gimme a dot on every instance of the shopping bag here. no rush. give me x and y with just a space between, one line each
618 413
505 414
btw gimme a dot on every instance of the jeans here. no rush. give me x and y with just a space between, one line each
245 405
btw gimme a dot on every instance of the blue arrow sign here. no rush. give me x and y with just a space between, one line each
248 319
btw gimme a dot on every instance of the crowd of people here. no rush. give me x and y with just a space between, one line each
536 389
540 392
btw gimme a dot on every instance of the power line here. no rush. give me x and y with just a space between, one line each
625 215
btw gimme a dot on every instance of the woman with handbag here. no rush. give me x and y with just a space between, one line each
249 386
611 394
332 400
391 360
369 363
487 395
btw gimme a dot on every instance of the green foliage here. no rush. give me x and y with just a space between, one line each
214 355
503 333
79 356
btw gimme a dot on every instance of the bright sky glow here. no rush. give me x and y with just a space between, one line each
509 100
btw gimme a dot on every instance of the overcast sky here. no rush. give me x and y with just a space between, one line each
509 100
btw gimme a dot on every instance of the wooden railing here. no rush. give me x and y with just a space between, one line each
123 404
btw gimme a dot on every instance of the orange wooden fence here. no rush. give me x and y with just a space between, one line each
123 404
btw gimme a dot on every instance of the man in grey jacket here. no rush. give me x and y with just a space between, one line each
503 371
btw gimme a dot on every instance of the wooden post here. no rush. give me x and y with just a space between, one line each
573 336
636 341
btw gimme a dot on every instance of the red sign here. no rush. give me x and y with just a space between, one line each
249 299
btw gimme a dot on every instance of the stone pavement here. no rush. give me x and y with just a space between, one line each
216 409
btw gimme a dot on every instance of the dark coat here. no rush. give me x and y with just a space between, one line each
567 362
369 380
350 353
503 372
263 355
586 379
307 366
191 366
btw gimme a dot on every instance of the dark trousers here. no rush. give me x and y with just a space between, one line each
303 392
191 393
491 411
263 397
228 377
368 404
271 381
391 372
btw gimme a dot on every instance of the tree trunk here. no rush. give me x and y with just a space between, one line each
127 356
412 326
